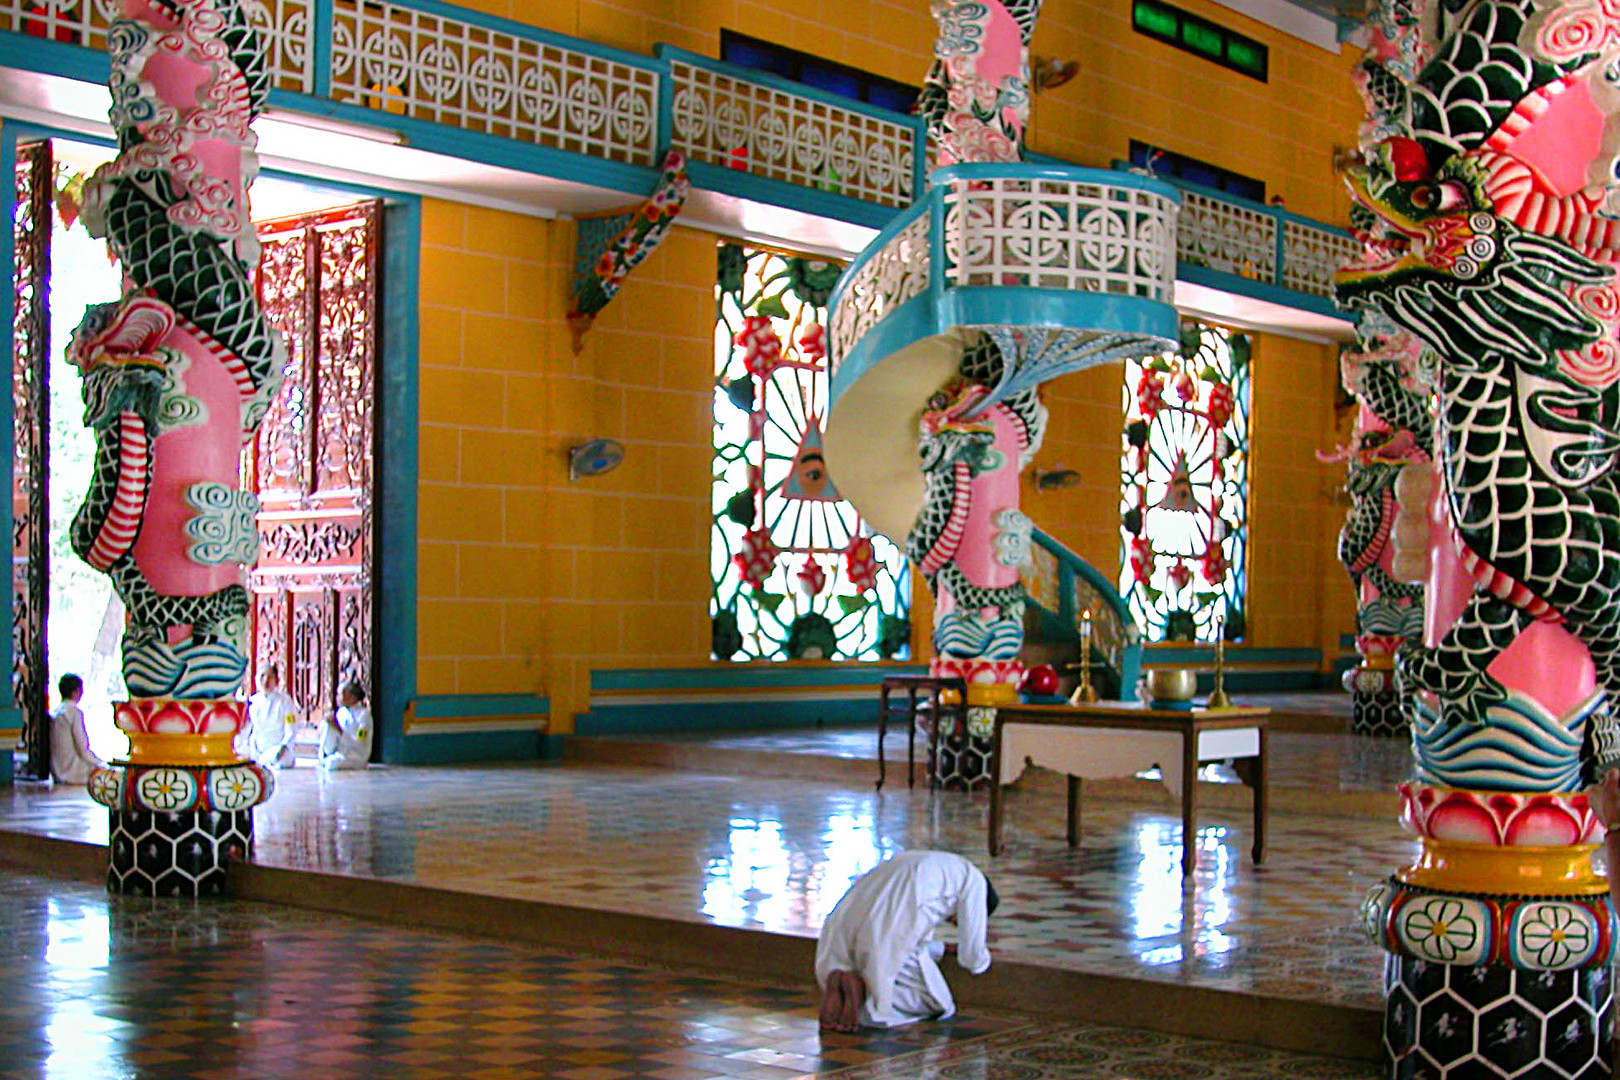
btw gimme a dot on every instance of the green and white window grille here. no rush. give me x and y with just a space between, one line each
1184 487
796 574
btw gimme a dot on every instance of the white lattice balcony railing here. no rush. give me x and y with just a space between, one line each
1226 235
1266 244
1090 235
285 24
449 67
752 122
1081 256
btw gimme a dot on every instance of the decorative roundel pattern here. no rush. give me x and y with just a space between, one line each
173 789
175 854
166 789
1532 934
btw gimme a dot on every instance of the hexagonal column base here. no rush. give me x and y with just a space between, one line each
1378 714
1448 1022
175 853
964 762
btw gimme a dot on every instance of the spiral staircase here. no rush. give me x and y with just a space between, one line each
1065 268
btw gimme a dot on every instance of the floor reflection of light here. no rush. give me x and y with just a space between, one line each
77 942
77 939
1163 904
749 884
851 851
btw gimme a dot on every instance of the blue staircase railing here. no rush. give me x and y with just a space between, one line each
1064 588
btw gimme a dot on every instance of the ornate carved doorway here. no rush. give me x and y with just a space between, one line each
311 462
30 345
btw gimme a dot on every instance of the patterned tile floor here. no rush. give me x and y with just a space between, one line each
763 853
118 987
1348 762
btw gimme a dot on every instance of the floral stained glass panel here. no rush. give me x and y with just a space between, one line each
1184 488
796 573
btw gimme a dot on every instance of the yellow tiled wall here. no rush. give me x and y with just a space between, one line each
527 580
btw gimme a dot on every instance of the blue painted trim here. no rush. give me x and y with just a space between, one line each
926 315
722 677
396 474
1027 305
481 147
889 231
27 53
472 706
629 719
787 86
995 170
459 746
910 322
1259 290
324 16
746 185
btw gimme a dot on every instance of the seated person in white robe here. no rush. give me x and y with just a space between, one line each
346 739
71 757
272 722
877 960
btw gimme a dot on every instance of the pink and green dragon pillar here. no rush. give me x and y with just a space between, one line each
176 377
1486 197
970 537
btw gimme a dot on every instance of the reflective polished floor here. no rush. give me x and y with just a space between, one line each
761 852
103 987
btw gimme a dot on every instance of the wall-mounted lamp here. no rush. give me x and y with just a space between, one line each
1052 479
594 458
1049 73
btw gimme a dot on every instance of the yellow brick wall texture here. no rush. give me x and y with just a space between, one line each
527 581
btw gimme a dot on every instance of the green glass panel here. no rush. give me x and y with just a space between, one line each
1202 39
1246 55
1155 19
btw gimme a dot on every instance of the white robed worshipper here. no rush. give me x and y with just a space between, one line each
346 739
877 960
272 723
72 760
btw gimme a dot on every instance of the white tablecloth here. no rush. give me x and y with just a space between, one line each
1102 753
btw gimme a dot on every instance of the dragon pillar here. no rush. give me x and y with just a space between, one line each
970 538
1486 196
176 377
1385 540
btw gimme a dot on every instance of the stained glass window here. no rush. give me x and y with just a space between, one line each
1184 487
796 573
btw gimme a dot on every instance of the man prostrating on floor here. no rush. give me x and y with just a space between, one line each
877 960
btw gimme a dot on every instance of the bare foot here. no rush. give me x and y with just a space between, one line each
854 994
832 1002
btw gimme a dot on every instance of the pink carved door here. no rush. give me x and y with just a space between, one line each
311 462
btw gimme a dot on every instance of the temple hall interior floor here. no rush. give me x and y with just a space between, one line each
755 852
102 987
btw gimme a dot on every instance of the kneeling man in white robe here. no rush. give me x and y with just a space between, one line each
346 739
877 960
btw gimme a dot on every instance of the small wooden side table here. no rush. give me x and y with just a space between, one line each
1117 738
919 690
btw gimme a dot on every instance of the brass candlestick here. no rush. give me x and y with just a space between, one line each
1217 696
1085 693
